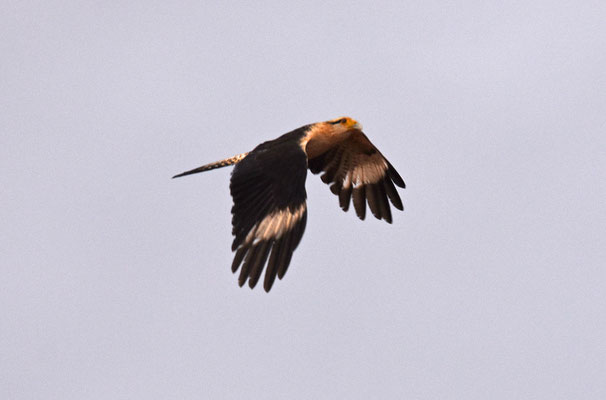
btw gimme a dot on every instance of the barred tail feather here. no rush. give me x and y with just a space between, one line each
217 164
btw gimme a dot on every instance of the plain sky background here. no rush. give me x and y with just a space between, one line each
115 280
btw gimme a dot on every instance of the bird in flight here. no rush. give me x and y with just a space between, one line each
268 190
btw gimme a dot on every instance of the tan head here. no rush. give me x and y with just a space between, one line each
323 135
344 124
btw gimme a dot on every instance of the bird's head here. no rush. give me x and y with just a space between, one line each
345 123
321 136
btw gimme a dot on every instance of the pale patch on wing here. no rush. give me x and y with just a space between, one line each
366 170
356 161
275 225
355 169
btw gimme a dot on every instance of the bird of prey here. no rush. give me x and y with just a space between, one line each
268 190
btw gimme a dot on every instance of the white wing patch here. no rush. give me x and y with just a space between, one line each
275 225
364 170
356 170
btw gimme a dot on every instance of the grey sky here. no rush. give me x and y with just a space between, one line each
115 278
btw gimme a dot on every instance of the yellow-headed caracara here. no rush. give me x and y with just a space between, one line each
268 190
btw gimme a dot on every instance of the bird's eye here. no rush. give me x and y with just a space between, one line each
339 121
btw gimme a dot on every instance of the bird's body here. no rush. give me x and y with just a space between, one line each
268 190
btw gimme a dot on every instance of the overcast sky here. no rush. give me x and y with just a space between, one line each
115 280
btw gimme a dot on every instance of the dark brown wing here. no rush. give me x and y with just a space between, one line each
356 169
269 211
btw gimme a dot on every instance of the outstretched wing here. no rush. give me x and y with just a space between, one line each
269 211
354 168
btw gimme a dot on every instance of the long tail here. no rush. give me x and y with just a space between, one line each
216 164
